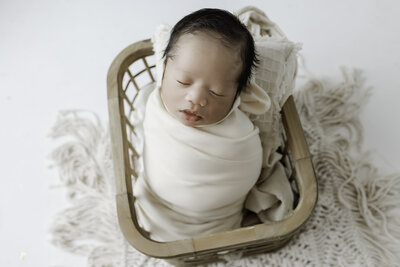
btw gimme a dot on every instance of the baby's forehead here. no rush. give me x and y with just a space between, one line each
209 48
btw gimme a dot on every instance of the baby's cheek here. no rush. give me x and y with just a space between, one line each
174 98
219 111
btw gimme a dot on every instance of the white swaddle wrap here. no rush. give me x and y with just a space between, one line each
196 178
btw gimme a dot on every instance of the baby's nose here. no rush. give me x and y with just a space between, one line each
197 96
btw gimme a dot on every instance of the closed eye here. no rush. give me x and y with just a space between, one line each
183 83
214 93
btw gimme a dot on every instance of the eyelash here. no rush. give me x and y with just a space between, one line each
212 92
182 83
186 84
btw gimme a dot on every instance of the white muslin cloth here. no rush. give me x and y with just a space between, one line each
195 179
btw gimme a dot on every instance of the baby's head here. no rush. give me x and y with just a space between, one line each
208 61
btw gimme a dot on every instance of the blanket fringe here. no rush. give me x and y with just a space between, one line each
371 198
89 226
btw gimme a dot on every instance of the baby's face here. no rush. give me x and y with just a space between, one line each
200 81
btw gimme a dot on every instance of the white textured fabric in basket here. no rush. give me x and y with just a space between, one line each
275 74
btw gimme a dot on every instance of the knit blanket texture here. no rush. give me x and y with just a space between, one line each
354 223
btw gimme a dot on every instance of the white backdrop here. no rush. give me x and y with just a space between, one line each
54 54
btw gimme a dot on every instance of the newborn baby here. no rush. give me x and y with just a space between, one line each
202 154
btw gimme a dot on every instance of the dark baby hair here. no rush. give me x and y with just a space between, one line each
230 31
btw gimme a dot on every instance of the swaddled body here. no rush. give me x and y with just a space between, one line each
202 154
196 179
201 170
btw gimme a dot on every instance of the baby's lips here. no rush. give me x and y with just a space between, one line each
191 116
192 112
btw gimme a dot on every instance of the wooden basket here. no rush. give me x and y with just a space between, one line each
130 71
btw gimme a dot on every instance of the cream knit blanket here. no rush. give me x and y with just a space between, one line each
353 224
